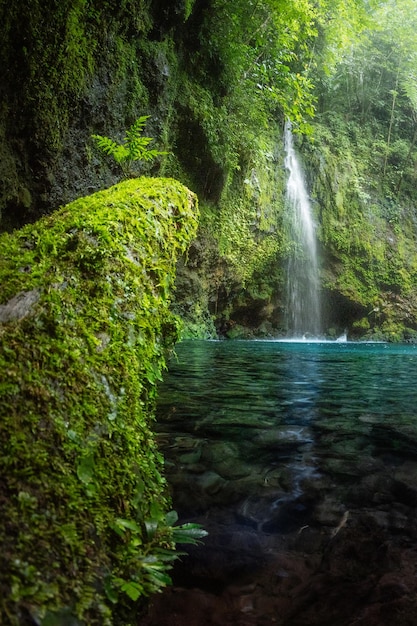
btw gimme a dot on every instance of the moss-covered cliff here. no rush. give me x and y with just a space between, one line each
84 330
203 72
368 237
218 78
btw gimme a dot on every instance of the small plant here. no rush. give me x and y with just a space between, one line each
133 148
151 552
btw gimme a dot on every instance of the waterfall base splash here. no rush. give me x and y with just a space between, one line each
306 338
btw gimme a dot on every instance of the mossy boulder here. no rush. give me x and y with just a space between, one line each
85 325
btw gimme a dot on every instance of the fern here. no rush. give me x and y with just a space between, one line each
133 148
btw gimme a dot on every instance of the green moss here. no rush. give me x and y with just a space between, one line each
370 258
85 326
56 53
249 226
238 258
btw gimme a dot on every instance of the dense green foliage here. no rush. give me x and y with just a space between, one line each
218 78
241 72
85 526
85 328
362 170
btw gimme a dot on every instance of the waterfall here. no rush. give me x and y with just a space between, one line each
303 304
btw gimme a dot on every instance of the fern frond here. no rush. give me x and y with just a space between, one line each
105 144
118 151
137 128
134 147
121 154
149 155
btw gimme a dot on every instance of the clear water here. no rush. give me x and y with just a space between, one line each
251 384
300 459
307 408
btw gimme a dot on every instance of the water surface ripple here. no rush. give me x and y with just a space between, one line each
299 458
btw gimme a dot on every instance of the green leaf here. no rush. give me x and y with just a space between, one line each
85 468
157 513
134 147
189 533
151 528
171 518
109 590
161 578
132 589
167 556
136 128
126 523
105 144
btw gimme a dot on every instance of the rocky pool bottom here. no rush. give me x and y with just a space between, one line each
306 481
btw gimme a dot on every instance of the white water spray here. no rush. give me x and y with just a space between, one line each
303 304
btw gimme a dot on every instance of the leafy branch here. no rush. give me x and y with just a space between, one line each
133 148
151 553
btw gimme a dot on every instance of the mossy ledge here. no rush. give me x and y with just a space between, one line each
85 326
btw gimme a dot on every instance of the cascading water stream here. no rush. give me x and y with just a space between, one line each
303 303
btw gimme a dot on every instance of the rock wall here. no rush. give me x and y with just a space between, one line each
82 67
91 67
84 330
367 239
